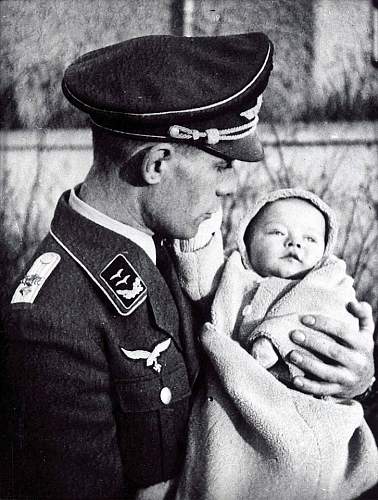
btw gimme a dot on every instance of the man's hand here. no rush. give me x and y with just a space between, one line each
340 359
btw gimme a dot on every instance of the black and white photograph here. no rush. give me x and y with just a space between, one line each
188 249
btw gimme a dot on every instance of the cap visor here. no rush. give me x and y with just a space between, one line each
248 149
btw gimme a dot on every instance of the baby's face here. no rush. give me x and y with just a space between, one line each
286 239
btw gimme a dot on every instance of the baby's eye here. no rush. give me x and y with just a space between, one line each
278 232
311 239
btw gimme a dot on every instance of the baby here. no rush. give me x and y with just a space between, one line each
285 239
252 436
284 267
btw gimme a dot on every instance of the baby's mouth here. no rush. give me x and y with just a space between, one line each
292 256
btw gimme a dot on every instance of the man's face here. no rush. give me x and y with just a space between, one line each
189 192
287 238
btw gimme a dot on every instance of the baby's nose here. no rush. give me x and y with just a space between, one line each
292 242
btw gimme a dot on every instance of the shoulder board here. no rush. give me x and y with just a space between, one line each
126 287
31 284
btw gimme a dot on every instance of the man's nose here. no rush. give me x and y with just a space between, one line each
256 148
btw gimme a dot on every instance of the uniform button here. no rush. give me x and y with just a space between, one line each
165 395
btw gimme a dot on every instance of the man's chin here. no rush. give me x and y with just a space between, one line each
185 235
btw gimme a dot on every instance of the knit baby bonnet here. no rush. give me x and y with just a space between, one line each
281 194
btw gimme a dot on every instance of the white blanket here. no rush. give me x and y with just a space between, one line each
250 436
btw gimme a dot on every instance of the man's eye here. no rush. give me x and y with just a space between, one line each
224 166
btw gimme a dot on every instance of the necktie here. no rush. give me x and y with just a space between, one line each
163 260
188 329
166 267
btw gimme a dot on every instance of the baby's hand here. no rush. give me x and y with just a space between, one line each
263 352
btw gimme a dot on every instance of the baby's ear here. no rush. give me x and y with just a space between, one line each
155 162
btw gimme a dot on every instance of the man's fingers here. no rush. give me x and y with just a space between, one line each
336 353
363 312
331 327
360 310
316 388
324 371
325 346
334 380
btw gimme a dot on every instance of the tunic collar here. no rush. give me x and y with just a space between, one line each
143 240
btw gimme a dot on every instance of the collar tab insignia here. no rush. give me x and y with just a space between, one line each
128 291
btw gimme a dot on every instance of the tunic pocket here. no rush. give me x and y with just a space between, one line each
152 423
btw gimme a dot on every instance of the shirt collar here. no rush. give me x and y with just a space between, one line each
140 238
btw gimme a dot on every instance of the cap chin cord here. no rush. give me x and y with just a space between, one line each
214 135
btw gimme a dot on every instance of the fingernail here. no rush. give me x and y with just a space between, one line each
296 357
308 320
298 382
298 336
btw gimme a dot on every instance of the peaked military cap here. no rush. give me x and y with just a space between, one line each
199 90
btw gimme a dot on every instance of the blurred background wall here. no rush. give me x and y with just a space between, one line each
323 50
319 118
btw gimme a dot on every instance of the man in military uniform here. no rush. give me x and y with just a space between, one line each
102 357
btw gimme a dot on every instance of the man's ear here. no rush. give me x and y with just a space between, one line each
155 161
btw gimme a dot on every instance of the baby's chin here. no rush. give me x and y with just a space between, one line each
290 274
297 276
289 267
283 269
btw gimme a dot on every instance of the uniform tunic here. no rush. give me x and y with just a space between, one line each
98 386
